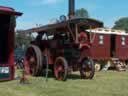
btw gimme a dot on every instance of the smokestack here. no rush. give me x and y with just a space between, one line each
71 9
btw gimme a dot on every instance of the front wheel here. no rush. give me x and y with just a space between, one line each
87 68
61 69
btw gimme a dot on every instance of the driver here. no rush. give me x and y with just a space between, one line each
83 39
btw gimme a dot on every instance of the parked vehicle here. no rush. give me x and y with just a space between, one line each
109 48
63 47
7 27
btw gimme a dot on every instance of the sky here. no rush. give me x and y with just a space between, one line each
41 12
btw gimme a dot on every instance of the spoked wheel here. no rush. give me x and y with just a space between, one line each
97 66
121 66
87 69
19 63
61 69
33 61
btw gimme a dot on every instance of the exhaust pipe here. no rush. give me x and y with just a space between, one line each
71 13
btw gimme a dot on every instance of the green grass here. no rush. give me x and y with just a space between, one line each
104 84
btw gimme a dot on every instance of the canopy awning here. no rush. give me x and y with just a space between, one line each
8 10
62 25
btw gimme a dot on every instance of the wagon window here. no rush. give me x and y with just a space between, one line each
123 41
101 39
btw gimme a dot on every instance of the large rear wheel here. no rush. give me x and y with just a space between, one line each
87 69
33 61
61 69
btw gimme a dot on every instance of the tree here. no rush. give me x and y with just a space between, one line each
83 13
22 39
122 24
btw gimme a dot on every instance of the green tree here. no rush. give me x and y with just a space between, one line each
122 24
22 39
83 13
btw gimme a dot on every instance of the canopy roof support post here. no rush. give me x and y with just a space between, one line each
77 34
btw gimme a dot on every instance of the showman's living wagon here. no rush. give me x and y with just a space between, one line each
7 27
109 48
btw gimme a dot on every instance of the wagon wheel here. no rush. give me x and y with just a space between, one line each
121 66
61 69
97 66
87 69
19 64
33 60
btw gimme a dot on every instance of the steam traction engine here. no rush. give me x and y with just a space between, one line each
62 46
7 27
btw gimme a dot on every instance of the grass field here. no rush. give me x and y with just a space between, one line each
104 84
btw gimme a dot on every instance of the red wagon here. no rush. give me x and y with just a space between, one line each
7 28
109 47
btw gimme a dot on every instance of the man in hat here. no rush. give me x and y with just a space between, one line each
83 39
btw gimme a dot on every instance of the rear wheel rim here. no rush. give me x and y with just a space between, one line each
33 61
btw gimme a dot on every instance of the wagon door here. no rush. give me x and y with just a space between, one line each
113 45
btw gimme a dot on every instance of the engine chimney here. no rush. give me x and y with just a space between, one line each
71 9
